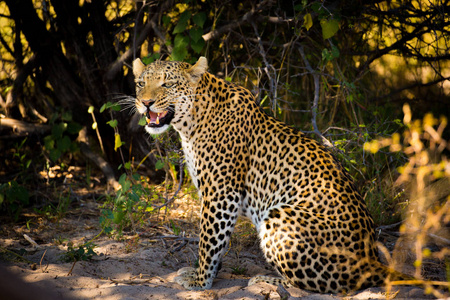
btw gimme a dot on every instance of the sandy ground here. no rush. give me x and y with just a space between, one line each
138 266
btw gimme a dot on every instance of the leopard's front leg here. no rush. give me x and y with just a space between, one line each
218 218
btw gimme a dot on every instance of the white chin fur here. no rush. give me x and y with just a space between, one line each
157 130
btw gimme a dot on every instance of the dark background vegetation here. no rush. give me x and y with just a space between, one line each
338 70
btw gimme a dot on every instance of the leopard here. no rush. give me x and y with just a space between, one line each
314 227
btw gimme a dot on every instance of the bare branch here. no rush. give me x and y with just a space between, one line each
5 44
269 70
99 161
151 25
245 18
411 86
316 78
24 127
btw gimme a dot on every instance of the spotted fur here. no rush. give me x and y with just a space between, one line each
314 226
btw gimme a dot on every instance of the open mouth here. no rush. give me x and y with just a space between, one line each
158 119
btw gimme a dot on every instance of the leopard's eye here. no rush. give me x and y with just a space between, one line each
140 84
168 85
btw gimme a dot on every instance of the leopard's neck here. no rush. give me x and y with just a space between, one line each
202 108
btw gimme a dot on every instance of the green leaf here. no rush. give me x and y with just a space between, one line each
179 52
316 6
73 128
113 106
58 129
298 7
63 144
159 165
133 197
16 192
182 22
329 28
118 217
67 116
142 121
122 179
349 98
102 109
307 21
113 123
199 19
195 34
150 58
54 154
49 142
180 27
116 107
126 185
198 46
181 41
127 165
335 52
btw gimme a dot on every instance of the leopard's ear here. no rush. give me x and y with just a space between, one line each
196 71
138 67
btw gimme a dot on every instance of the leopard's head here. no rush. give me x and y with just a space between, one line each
165 91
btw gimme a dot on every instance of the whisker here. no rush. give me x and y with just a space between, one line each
131 103
128 102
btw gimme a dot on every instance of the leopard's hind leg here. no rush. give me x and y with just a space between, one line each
296 242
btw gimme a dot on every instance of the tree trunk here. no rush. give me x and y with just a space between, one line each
73 92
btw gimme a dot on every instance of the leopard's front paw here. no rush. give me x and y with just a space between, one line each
187 277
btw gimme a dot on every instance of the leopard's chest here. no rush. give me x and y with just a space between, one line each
190 157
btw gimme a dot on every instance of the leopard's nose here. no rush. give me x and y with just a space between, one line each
147 102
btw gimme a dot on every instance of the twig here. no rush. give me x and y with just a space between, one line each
316 78
137 42
31 241
420 282
71 269
268 69
40 262
440 238
94 238
384 227
339 128
99 137
409 87
130 281
17 255
168 201
181 246
177 237
235 24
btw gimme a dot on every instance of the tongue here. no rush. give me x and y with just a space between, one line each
154 118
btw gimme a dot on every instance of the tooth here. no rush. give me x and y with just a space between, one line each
157 119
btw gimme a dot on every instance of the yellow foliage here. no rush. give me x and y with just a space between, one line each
427 177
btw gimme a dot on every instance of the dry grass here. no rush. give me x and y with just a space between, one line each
425 234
